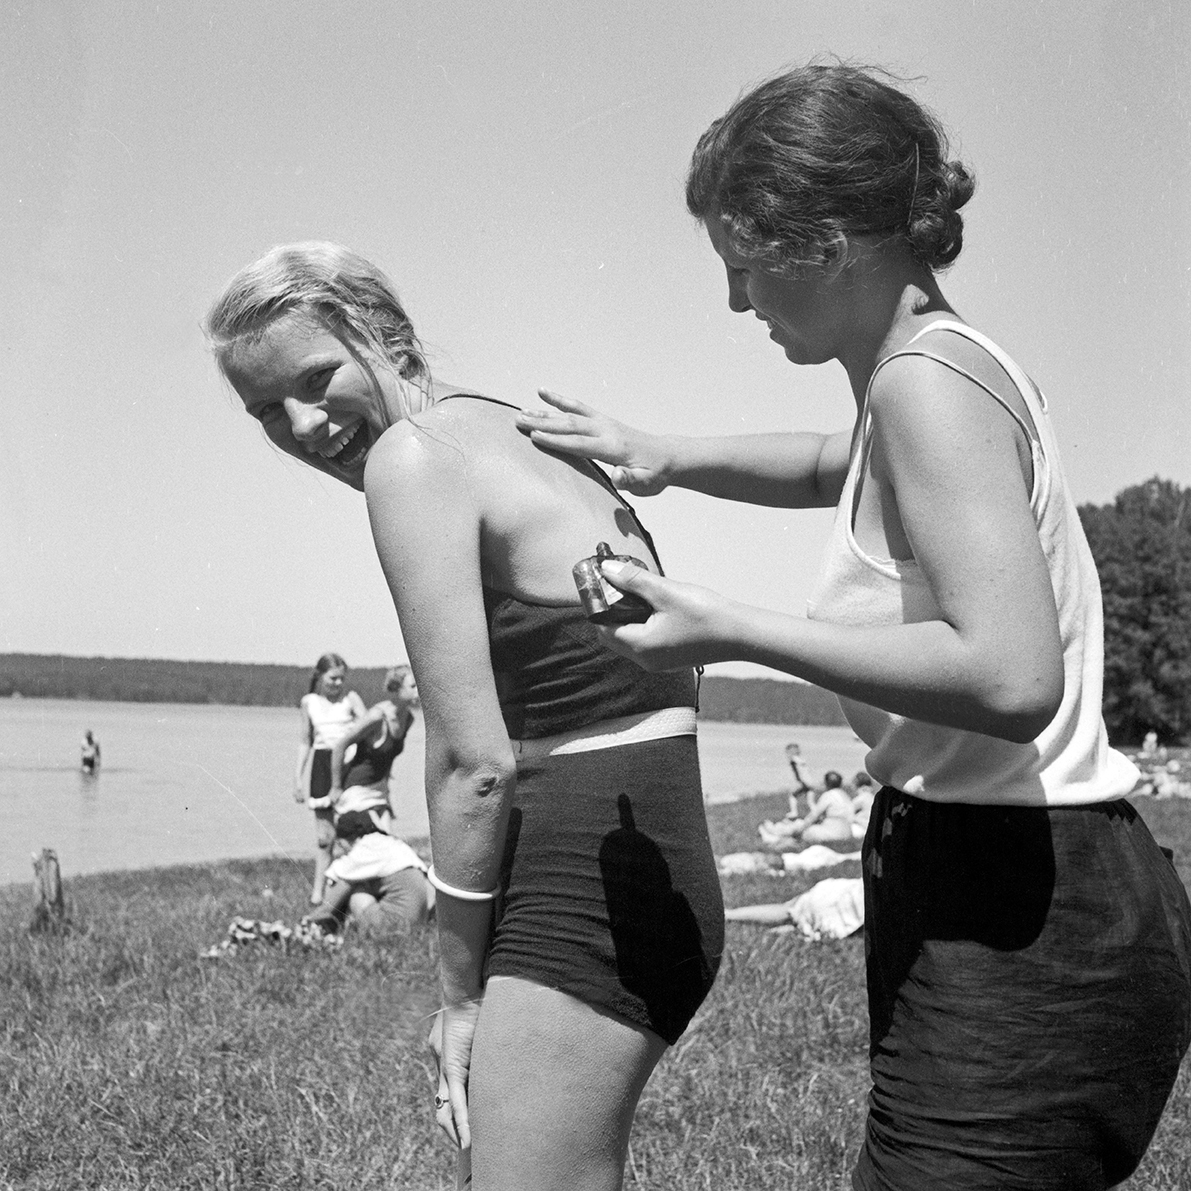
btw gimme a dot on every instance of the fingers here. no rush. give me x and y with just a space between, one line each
628 576
566 404
566 441
450 1100
444 1110
450 1110
458 1109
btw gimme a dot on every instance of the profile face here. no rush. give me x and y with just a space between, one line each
800 312
311 395
330 683
406 690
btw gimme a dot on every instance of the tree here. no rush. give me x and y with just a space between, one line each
1142 546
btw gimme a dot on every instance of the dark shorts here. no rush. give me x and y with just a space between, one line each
1029 981
320 773
610 892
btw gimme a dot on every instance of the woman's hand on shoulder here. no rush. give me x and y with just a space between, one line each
640 462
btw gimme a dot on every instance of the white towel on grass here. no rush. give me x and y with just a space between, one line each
831 909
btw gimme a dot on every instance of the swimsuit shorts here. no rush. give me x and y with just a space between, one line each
320 773
609 885
1029 981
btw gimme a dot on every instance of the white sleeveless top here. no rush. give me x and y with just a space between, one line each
1071 761
331 721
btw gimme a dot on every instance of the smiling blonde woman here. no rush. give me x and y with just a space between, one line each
578 906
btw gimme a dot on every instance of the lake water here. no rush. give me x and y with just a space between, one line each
185 783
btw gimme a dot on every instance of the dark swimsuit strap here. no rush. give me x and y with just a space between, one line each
603 479
599 473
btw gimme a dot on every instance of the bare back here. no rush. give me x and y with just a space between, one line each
540 512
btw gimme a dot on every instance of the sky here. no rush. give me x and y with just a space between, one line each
517 169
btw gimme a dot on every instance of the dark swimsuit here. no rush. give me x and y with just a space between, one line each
370 764
609 884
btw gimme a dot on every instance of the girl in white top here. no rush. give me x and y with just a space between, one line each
327 712
1028 945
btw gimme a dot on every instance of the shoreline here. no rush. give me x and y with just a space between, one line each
421 843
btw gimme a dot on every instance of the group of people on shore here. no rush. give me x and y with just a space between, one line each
836 811
1028 945
345 755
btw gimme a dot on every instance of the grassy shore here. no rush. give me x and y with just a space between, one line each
126 1061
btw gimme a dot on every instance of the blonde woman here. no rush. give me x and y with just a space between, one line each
578 907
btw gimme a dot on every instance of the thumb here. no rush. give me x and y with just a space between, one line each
627 576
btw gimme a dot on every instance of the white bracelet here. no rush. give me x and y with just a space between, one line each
464 895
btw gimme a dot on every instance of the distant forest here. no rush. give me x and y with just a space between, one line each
151 680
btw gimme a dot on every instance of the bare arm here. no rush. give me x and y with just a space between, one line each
360 730
992 660
781 470
816 809
427 532
305 748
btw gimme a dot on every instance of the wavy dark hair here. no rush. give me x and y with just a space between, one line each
824 152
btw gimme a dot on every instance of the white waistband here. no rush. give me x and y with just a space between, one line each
608 734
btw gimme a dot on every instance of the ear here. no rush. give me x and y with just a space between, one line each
839 253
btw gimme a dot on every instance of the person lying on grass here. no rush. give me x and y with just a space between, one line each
832 908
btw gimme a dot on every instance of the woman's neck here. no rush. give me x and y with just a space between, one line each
895 297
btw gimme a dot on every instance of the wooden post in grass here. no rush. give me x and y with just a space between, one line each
49 906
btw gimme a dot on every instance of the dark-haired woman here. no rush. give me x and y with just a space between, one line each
578 908
328 711
1029 946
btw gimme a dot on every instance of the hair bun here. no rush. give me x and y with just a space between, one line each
959 183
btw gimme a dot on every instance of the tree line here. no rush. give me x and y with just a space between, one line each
155 680
1142 546
1141 543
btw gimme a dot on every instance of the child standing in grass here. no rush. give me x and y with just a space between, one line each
1028 944
328 711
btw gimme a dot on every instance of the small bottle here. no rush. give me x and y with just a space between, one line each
603 603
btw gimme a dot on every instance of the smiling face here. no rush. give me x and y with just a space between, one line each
804 314
330 683
312 396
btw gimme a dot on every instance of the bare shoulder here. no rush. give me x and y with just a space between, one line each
975 388
415 452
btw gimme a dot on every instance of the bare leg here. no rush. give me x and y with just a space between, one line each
324 839
332 910
553 1089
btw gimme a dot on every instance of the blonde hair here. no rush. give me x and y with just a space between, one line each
336 288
